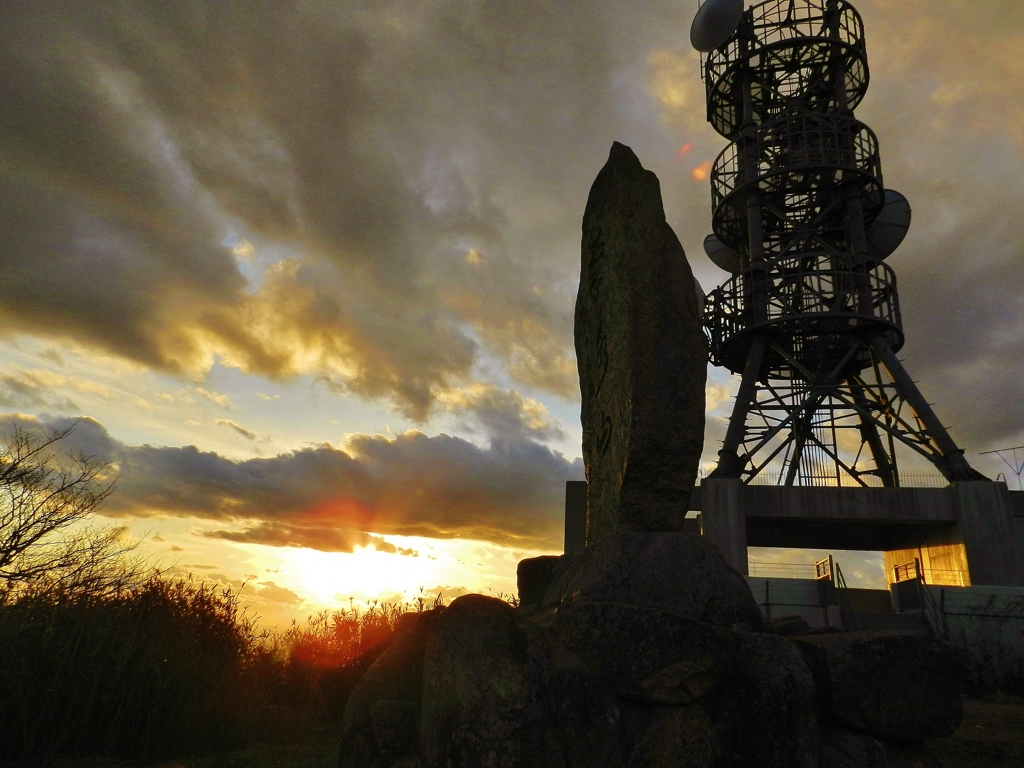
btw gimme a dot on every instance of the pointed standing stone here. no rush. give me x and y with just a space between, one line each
641 353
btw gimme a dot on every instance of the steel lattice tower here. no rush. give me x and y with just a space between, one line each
810 318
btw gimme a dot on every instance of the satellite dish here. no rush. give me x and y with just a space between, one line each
714 23
701 296
889 229
722 255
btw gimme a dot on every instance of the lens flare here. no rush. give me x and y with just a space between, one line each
702 171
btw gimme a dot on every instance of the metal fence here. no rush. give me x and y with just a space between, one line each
988 623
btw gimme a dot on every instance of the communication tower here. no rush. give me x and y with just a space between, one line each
810 318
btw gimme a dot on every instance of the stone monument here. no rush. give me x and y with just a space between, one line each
646 650
641 353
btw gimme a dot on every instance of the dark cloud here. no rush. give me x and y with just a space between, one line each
509 492
323 537
412 178
380 143
26 392
235 427
269 591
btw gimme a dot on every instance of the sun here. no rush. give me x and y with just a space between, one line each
330 578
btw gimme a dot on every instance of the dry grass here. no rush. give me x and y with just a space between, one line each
171 669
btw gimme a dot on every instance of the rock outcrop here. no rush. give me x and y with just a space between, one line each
681 573
630 656
641 353
890 684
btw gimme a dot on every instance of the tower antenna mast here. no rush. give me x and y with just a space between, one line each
810 318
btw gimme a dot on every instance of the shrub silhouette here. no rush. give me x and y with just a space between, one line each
156 669
169 668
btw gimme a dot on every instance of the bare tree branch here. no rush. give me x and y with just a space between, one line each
46 497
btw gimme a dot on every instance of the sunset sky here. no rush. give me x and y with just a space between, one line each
306 271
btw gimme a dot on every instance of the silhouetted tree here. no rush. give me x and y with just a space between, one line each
47 496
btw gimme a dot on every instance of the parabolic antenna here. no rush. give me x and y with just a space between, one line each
701 296
891 226
722 255
714 23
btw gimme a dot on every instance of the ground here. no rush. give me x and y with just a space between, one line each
990 736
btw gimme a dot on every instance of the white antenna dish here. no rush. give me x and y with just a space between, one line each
714 23
701 296
722 255
891 226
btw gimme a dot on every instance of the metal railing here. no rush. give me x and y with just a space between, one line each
804 297
914 478
947 577
800 161
826 43
765 569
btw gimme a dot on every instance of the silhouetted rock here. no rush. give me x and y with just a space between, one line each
386 700
680 573
892 684
790 625
534 574
846 749
645 654
641 353
475 685
483 689
675 737
619 682
763 710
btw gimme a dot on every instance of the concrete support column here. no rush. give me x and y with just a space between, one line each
724 520
986 526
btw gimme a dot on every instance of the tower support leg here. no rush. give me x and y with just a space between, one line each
729 465
885 465
953 464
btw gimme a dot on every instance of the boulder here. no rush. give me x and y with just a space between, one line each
889 683
846 749
675 737
641 354
482 700
534 574
586 717
680 573
764 710
645 654
379 724
498 692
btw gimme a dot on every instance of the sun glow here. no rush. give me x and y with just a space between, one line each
330 579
